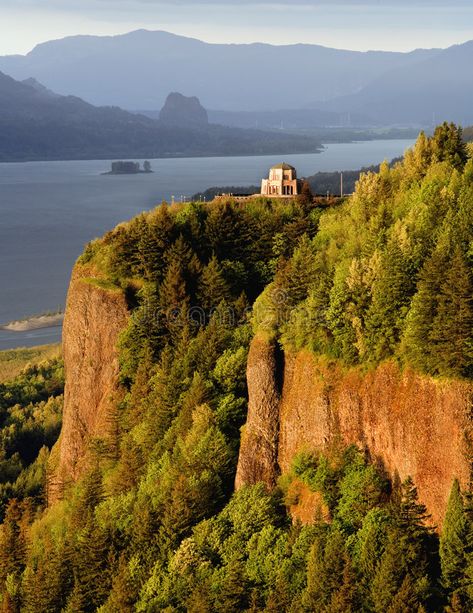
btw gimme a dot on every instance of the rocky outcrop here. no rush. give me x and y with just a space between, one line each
258 449
94 318
182 111
412 424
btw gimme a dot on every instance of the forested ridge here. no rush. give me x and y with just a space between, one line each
154 524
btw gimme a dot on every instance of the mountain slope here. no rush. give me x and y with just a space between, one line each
436 88
36 124
138 70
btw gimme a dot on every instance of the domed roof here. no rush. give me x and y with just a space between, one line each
283 166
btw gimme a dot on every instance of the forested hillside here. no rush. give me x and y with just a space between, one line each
389 275
36 124
154 524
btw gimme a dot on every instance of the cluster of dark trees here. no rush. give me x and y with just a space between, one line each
30 420
154 525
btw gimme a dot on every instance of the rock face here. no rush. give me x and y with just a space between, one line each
412 424
93 321
183 112
258 459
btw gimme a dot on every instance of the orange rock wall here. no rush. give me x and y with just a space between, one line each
414 425
259 442
93 321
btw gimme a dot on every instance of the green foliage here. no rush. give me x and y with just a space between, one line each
454 542
156 525
389 272
30 420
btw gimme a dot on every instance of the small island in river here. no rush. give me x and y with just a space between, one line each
129 168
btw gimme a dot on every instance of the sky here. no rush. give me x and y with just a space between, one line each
396 25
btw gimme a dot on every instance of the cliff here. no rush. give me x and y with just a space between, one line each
94 318
412 424
262 427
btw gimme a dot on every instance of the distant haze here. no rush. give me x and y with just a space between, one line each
138 70
398 25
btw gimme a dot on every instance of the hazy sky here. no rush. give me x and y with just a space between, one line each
349 24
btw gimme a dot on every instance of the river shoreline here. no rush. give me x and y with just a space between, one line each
36 322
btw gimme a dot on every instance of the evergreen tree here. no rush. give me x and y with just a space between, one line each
391 295
452 328
233 592
411 514
12 542
453 541
448 145
345 599
294 279
325 570
93 568
305 198
174 302
228 232
423 311
124 591
212 287
406 599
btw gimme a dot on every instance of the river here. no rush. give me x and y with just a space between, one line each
50 210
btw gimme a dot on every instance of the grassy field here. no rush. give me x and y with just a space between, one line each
13 361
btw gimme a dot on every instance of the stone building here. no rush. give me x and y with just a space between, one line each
282 182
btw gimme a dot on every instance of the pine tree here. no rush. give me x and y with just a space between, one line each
212 287
46 587
412 515
453 541
228 233
151 251
280 598
124 590
294 279
406 599
172 292
448 145
174 302
422 154
403 572
92 567
346 598
190 265
305 198
423 311
233 592
12 543
325 570
453 325
391 296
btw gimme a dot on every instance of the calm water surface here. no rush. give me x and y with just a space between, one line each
50 210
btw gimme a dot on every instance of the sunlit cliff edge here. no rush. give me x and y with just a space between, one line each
413 425
94 319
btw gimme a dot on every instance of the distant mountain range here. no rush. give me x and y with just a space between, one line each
248 85
138 70
436 89
36 123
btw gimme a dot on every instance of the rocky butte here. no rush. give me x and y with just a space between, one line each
182 111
